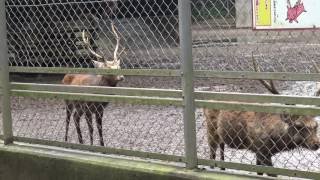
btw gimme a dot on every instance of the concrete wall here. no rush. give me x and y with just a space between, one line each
243 13
23 162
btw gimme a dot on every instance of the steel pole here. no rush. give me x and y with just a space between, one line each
187 83
4 78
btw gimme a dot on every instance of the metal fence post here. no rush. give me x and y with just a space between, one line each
187 83
4 78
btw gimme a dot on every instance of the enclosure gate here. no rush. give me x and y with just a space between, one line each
44 37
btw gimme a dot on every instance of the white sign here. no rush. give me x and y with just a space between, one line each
286 14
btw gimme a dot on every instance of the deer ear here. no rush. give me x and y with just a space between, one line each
98 64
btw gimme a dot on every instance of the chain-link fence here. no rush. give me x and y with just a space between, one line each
48 33
285 141
223 39
144 34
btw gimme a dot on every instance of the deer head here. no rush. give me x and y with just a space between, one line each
104 63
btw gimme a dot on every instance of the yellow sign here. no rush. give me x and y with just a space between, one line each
263 13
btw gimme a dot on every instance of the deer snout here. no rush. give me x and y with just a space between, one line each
315 147
120 78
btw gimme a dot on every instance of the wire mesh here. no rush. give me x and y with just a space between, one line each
285 141
246 133
300 158
130 127
223 40
48 33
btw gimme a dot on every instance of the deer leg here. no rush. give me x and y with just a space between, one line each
76 117
99 116
268 162
259 158
264 160
213 148
259 162
69 108
90 126
213 145
222 154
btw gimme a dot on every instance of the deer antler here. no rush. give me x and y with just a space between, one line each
116 60
316 66
115 63
270 86
86 42
115 56
318 71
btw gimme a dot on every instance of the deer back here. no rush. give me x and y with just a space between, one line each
82 79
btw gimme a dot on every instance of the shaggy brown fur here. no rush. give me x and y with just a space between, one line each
265 134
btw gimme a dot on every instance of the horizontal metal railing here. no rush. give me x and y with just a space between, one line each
227 101
284 76
146 96
170 93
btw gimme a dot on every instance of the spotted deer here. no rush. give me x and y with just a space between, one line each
265 134
88 109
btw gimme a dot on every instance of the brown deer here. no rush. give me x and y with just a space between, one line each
80 108
265 134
